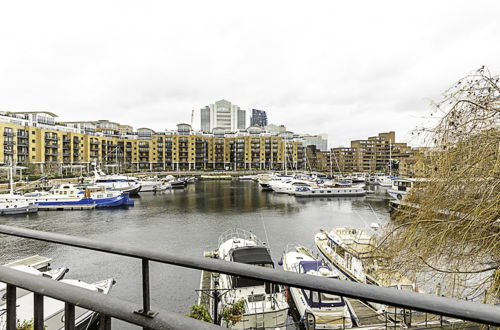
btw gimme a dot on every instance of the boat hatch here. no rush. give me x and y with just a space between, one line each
256 255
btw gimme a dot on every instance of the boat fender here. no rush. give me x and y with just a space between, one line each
280 262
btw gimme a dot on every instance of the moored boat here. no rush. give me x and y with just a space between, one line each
348 250
262 305
329 191
19 207
53 310
400 187
330 311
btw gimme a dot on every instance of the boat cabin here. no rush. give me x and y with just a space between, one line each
252 255
315 299
402 184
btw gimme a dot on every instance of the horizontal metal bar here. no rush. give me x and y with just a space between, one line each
465 310
109 305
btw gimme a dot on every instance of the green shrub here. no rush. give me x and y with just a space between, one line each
199 312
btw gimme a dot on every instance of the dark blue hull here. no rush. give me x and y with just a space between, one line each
122 200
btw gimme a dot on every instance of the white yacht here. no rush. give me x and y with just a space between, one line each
53 310
288 186
264 304
384 180
117 183
19 207
153 184
330 311
12 203
348 249
400 188
329 191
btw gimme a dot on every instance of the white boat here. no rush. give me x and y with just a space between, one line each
264 305
329 191
120 183
348 249
34 265
358 177
19 207
53 310
162 187
65 195
288 186
152 185
246 177
384 181
11 203
330 311
400 188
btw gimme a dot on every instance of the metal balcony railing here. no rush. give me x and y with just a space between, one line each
111 307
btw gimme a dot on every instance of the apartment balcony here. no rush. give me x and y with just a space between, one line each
9 143
50 138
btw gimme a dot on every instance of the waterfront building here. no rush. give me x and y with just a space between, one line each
258 118
320 141
222 114
205 119
371 155
37 141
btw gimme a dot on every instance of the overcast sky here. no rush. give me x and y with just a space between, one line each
350 69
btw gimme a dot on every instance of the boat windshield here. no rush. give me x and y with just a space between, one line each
317 300
243 282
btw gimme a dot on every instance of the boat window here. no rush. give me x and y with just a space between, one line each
326 298
329 191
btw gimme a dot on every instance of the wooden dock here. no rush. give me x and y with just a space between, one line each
205 284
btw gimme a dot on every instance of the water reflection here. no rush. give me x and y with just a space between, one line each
185 222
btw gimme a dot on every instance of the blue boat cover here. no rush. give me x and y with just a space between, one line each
312 265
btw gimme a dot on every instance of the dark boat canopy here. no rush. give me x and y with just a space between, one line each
252 255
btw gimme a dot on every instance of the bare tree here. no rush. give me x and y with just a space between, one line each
449 230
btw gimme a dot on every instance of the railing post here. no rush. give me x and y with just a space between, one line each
104 322
146 302
145 287
38 312
69 316
11 307
216 306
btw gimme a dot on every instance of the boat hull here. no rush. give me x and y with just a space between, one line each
331 192
32 208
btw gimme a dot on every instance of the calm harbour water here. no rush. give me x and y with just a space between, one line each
185 222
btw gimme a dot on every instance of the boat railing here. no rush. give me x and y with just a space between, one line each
241 234
154 318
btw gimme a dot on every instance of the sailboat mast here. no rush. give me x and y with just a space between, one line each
390 157
285 158
11 179
331 164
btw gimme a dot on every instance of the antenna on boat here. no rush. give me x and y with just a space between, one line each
265 230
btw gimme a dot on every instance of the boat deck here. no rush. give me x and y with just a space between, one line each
203 297
36 261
